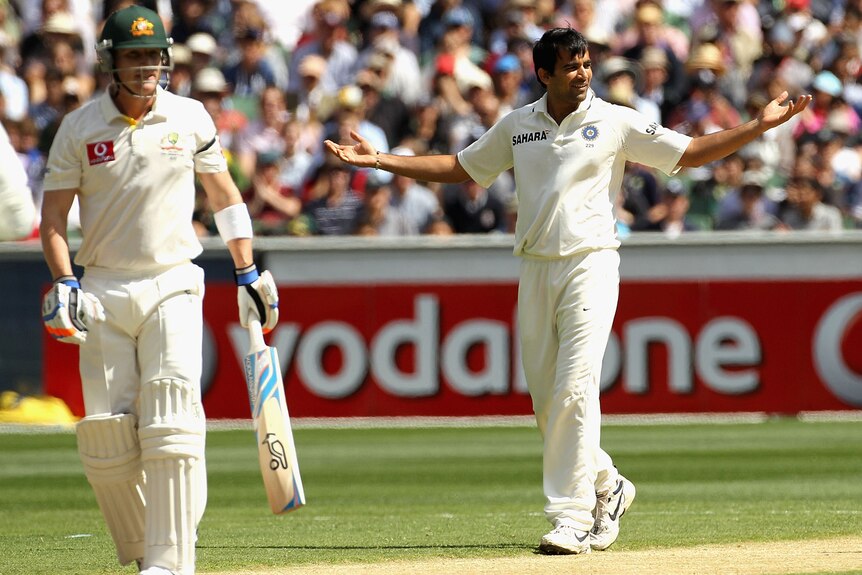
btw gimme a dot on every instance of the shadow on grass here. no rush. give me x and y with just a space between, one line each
368 547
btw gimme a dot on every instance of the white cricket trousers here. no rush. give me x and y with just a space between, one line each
153 330
565 311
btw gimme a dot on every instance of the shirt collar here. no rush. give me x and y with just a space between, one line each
110 111
541 104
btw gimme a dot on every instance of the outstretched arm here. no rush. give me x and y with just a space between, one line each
711 147
438 168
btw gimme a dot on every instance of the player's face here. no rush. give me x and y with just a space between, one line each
567 86
139 69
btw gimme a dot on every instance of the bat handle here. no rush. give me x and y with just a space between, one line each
255 332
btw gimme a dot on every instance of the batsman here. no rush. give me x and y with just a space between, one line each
568 151
130 157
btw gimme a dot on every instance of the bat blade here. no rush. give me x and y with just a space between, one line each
276 450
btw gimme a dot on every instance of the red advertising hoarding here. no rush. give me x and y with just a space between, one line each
450 349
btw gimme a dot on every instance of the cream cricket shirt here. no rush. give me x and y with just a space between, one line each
136 183
567 176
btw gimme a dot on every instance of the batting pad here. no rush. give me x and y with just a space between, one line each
109 450
172 432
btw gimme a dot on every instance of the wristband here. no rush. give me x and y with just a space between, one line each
70 281
377 161
246 275
233 222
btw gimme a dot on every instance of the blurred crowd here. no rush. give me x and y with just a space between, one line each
429 76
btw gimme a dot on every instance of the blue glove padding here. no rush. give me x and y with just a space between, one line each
68 311
257 298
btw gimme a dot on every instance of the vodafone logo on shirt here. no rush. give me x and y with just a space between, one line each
100 152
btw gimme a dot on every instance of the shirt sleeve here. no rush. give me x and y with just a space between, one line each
209 158
490 155
649 143
63 169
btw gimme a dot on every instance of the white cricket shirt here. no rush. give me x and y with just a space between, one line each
567 176
135 182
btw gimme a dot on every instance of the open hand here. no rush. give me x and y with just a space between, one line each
775 114
362 154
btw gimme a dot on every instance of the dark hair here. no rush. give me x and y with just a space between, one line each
547 48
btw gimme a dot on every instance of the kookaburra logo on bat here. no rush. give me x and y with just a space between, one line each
276 450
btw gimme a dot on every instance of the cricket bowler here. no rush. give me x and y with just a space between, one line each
131 156
568 151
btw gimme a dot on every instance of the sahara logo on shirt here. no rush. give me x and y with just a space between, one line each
100 152
530 137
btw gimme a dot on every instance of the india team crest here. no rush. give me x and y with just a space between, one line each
142 27
590 133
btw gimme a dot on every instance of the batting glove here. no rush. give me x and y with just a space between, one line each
257 297
68 311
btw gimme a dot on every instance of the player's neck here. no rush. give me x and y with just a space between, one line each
132 106
558 110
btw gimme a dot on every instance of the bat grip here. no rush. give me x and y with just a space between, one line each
255 332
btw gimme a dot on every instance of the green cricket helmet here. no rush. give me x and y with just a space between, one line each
133 27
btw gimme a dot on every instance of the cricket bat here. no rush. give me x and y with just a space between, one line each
276 450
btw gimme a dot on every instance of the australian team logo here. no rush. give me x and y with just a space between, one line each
142 27
590 133
170 144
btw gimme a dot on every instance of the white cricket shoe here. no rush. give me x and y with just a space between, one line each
610 507
565 540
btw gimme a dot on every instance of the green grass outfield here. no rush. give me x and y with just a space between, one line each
422 493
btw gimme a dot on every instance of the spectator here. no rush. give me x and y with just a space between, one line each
351 115
387 111
54 103
518 20
471 209
508 78
740 46
639 195
622 78
806 209
443 15
648 33
336 211
586 17
251 74
211 89
670 215
271 204
180 78
412 206
750 209
196 17
263 134
654 63
295 164
400 73
650 29
705 68
707 194
827 90
204 51
329 40
373 219
24 138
